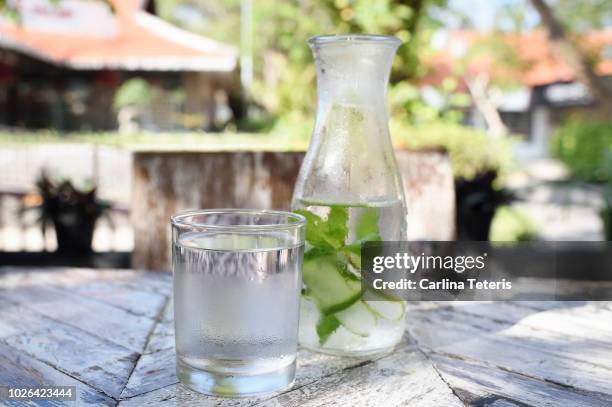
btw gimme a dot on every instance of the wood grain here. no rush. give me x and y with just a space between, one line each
537 358
167 182
481 385
17 369
110 333
404 378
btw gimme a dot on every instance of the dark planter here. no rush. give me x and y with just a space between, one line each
74 230
477 201
606 217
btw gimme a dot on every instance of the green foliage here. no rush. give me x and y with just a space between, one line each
586 148
585 15
326 326
205 141
329 235
134 92
407 104
60 199
511 225
472 151
326 234
367 226
284 71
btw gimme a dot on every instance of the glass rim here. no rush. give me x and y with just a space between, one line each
179 219
353 39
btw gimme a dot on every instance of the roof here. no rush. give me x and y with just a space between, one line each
544 67
533 50
88 35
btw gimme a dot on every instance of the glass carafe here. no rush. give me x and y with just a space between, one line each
350 191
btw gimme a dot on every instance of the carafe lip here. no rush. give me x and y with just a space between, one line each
354 39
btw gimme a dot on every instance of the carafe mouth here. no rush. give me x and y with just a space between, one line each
354 39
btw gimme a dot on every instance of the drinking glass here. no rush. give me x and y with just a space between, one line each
237 281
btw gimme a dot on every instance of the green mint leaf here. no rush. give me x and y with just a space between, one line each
326 326
315 228
331 267
337 224
315 252
330 233
367 225
366 230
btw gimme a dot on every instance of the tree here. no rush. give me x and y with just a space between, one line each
583 15
489 66
574 57
284 71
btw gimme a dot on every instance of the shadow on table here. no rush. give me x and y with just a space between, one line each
97 260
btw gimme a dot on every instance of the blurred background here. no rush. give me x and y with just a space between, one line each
114 114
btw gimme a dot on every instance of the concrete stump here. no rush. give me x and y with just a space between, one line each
429 186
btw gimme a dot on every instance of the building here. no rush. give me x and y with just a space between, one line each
545 92
61 64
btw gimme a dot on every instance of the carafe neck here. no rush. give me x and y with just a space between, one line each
353 69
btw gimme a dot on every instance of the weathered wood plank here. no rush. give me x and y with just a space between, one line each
61 277
588 316
72 351
163 334
160 283
492 348
311 367
571 320
95 317
589 350
179 395
89 325
17 369
120 295
404 378
480 385
153 371
168 314
17 319
162 337
13 277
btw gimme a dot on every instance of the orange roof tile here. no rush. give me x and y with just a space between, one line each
142 42
533 49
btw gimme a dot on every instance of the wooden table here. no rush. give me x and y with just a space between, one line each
110 334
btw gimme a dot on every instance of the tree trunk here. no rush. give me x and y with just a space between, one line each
574 57
478 88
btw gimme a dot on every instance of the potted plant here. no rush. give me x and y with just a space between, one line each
72 211
478 160
477 201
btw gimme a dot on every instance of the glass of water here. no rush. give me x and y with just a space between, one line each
237 282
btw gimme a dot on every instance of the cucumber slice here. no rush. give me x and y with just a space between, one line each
385 306
327 286
390 310
358 319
